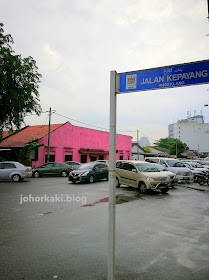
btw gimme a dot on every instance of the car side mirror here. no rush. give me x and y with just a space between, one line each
134 170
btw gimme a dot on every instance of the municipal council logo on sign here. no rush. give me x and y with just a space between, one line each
131 81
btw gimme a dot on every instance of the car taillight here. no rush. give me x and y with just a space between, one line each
27 170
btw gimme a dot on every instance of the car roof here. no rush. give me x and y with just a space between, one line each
132 161
163 158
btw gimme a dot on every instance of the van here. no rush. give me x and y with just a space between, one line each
141 175
182 172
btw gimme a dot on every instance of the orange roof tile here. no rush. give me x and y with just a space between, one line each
20 138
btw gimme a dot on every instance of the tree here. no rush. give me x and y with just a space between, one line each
172 144
147 149
19 83
27 149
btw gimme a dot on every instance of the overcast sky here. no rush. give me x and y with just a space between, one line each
76 43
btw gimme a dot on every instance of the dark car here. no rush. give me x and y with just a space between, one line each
89 172
73 164
52 168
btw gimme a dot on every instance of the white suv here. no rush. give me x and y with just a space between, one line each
182 172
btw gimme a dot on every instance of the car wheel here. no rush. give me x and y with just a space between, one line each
117 183
201 180
142 187
64 174
36 174
91 179
16 178
165 190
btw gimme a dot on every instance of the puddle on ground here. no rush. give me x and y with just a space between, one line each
120 198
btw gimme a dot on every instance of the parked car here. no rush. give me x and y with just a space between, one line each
196 166
205 163
182 172
141 175
73 164
52 168
15 171
89 172
103 160
165 170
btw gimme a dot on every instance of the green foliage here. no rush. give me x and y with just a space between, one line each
27 149
147 149
19 81
171 144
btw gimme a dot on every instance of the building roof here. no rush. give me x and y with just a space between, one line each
5 133
28 133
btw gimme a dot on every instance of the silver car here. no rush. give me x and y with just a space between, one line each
182 172
15 171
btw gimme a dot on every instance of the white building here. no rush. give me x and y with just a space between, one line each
192 131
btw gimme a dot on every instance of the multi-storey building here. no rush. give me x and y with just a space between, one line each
193 131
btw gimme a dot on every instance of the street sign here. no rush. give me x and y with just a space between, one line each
193 73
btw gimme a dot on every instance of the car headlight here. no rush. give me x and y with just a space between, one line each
150 179
85 173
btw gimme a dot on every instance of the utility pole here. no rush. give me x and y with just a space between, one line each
50 112
137 144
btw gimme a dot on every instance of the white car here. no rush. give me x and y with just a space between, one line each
182 172
15 171
165 170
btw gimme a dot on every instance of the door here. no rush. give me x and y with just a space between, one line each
97 172
130 174
7 170
1 170
46 169
103 171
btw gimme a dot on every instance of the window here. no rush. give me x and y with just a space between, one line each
163 162
1 166
48 165
9 166
51 158
119 165
58 164
121 157
68 157
101 157
83 158
153 160
93 158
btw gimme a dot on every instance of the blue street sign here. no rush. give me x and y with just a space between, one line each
165 77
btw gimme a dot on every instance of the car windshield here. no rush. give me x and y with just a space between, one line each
161 168
175 163
88 165
146 167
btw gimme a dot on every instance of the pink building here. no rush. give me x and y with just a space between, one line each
69 142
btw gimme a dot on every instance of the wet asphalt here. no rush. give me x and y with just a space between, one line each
158 236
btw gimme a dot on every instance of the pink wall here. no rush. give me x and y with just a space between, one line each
69 139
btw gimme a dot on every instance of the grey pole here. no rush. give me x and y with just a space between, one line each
112 178
137 144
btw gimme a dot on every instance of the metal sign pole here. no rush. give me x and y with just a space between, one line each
112 178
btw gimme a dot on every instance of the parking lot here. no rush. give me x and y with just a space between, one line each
52 229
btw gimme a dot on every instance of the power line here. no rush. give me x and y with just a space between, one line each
107 129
